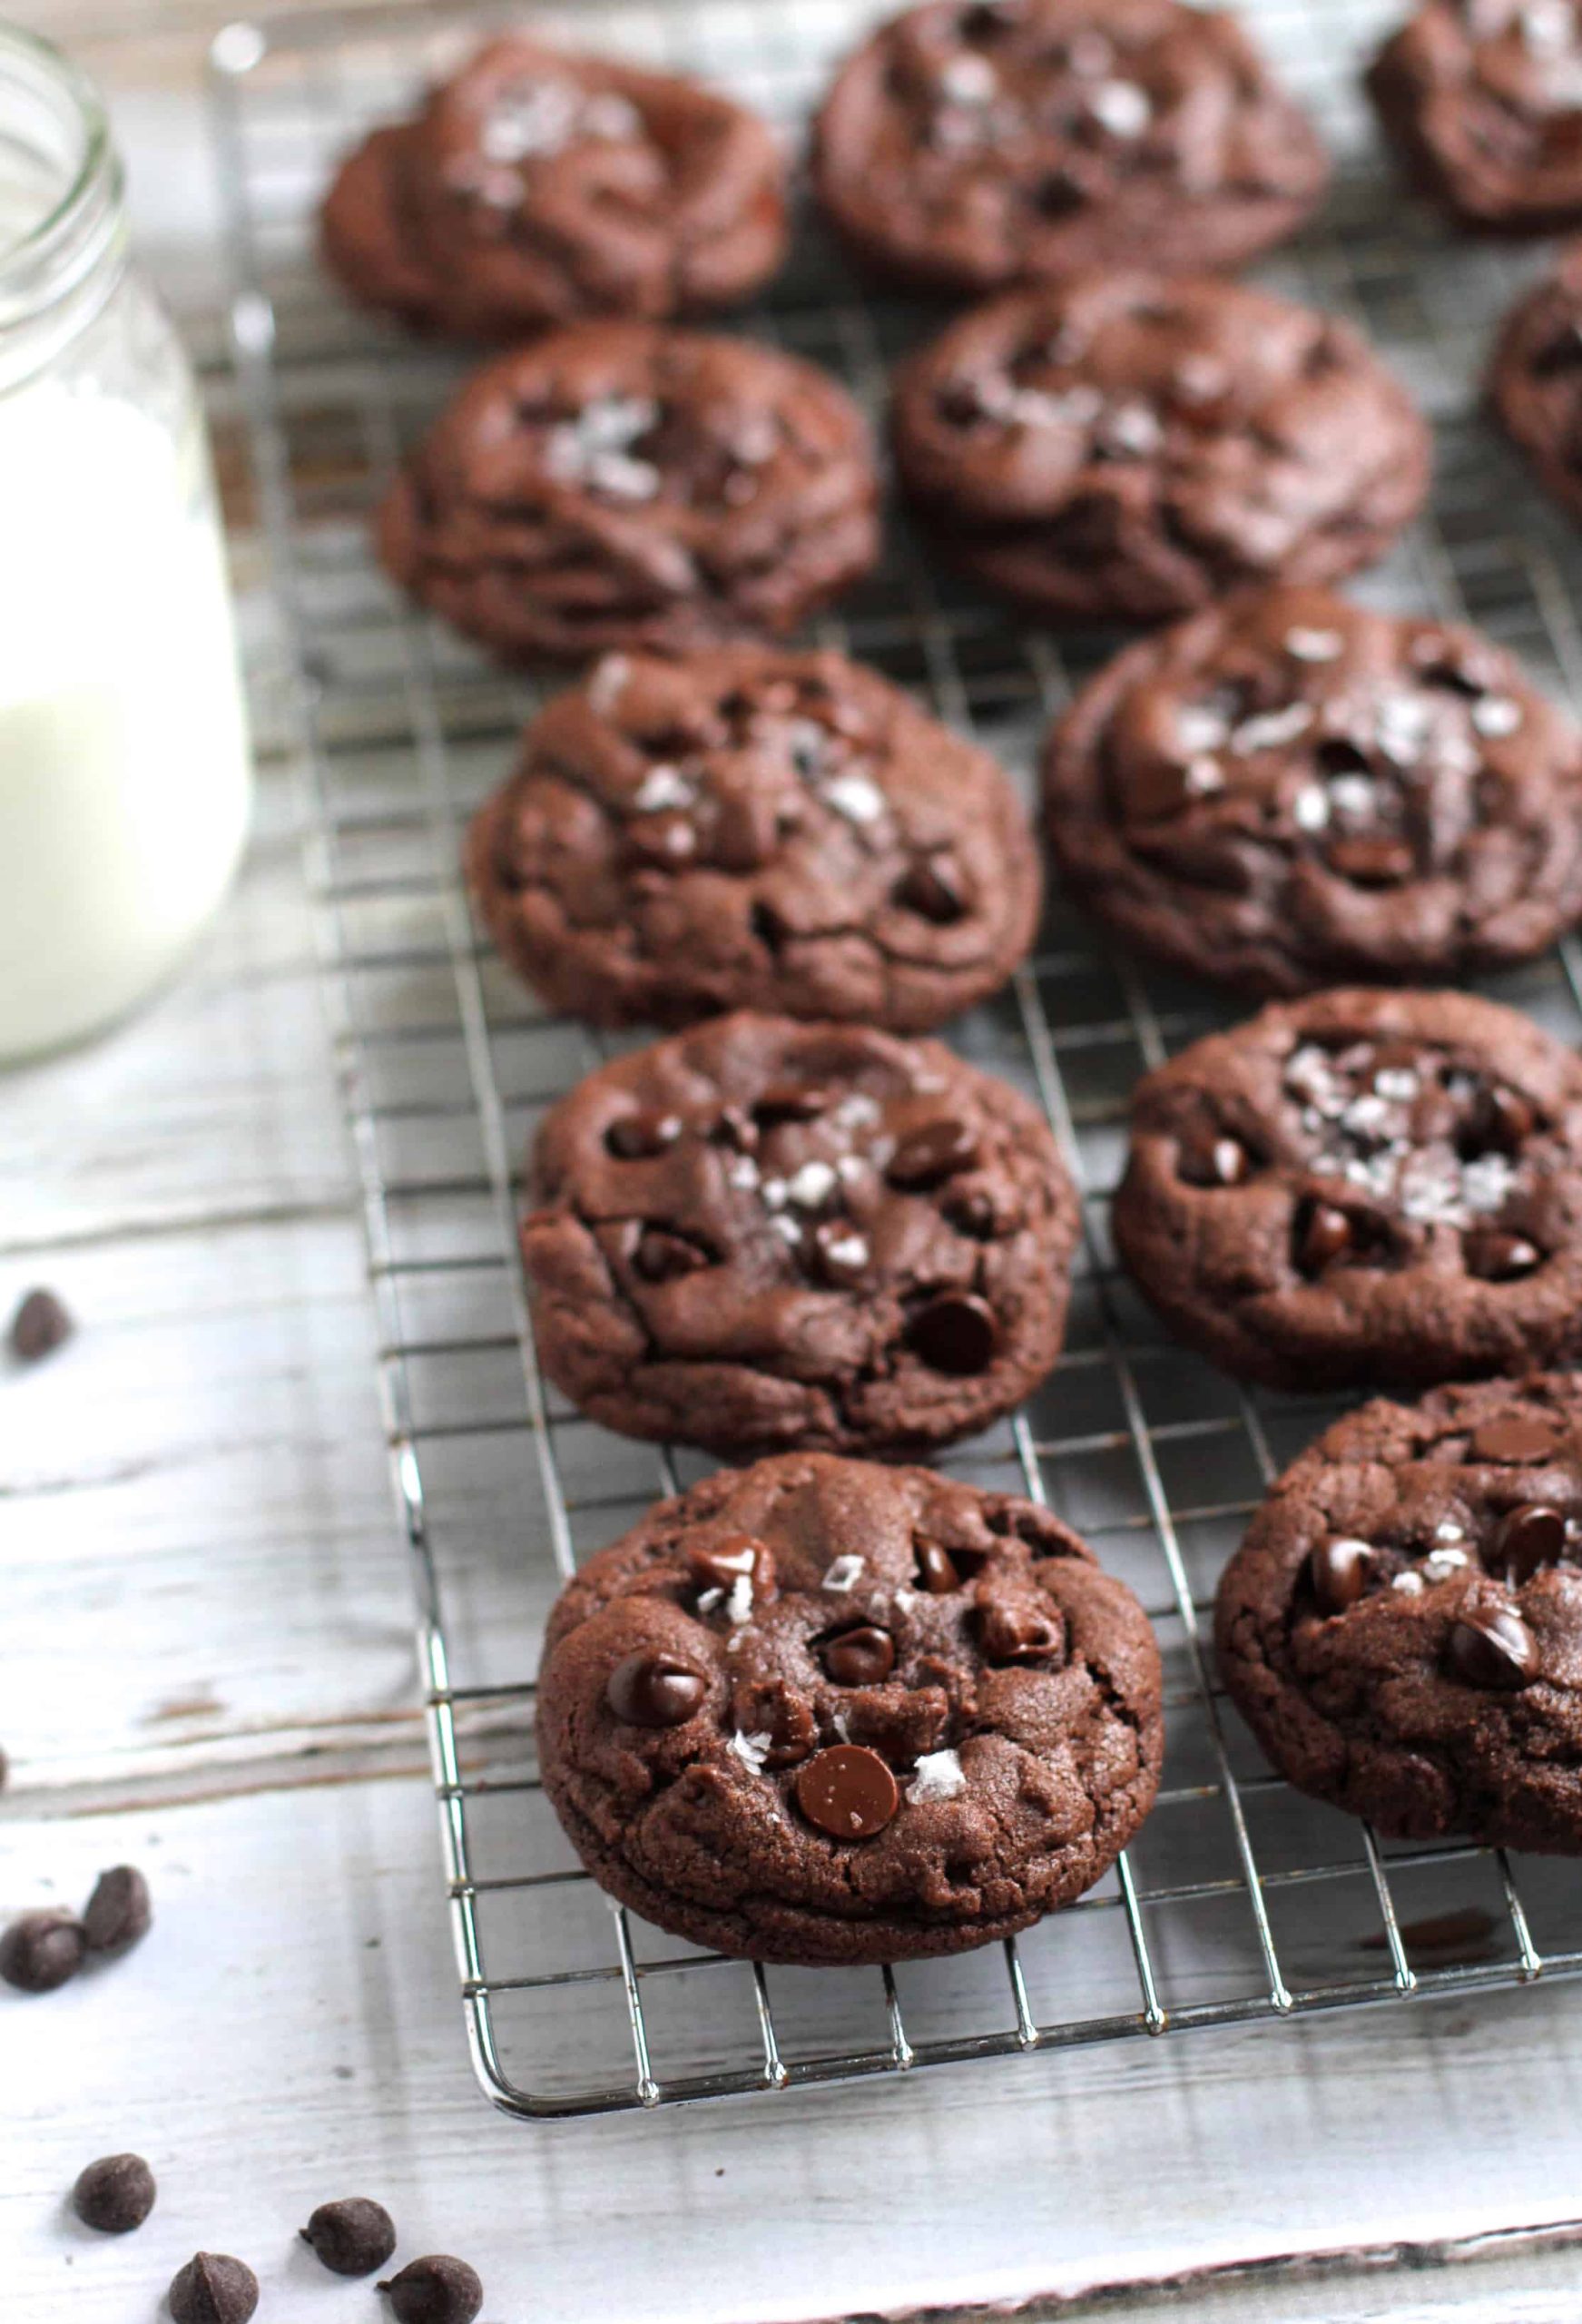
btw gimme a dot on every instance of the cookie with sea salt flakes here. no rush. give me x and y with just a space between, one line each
536 185
748 829
827 1712
1402 1627
1125 447
761 1234
1288 791
1363 1187
964 147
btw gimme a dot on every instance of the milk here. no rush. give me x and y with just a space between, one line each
124 770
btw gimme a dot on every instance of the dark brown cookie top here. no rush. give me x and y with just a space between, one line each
750 829
764 1234
1122 447
826 1711
1363 1186
1536 380
1484 98
624 485
967 147
537 186
1402 1627
1288 791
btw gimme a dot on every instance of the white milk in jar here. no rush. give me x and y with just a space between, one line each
125 772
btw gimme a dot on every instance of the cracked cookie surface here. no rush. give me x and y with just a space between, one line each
761 1234
824 1711
1127 447
627 485
968 147
1363 1187
1402 1627
535 186
1288 791
747 829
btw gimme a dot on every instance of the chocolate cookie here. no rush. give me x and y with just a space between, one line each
762 1235
748 829
1287 791
1363 1187
1484 99
1535 380
823 1711
534 187
967 147
1119 447
625 485
1402 1627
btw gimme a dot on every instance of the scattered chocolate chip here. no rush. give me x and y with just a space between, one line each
654 1690
119 1912
934 1152
956 1333
1371 862
847 1791
1498 1257
42 1951
213 2289
41 1324
1513 1443
842 1256
635 1137
861 1658
1323 1234
1528 1539
114 2194
1017 1634
1493 1648
437 2289
937 1569
721 1565
663 1258
1501 1120
1215 1162
1337 1569
352 2237
934 890
793 1101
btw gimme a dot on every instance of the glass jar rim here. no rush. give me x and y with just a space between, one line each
94 181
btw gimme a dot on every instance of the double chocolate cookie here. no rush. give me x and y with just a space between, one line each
534 187
1536 381
1484 99
973 143
750 829
762 1235
627 485
823 1711
1364 1186
1122 448
1288 791
1402 1627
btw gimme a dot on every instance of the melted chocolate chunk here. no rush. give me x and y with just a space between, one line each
860 1658
957 1334
847 1791
1493 1648
1338 1572
654 1690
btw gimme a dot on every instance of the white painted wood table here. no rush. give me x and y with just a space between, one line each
206 1668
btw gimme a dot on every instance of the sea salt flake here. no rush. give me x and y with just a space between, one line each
1441 1564
969 80
1448 1530
1496 716
1121 107
1132 427
1549 27
752 1751
1314 645
1399 1084
1203 777
739 1604
856 1112
1487 1181
938 1774
1310 810
789 1230
853 796
844 1573
811 1186
1267 732
608 683
1199 728
848 1250
1354 797
850 1167
710 1600
529 118
663 786
775 1192
1409 1584
743 1172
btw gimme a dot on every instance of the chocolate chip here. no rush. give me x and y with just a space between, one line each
934 890
793 1101
860 1658
650 1689
1529 1538
1493 1648
1371 862
934 1152
351 2237
437 2289
213 2288
956 1333
937 1569
1501 1120
41 1324
1338 1571
841 1256
847 1791
119 1913
1498 1257
1017 1634
114 2194
42 1951
637 1137
721 1565
661 1258
1513 1443
1323 1234
1215 1162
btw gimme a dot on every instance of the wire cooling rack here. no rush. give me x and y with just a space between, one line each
1239 1900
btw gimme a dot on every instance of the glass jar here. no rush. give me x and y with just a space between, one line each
126 776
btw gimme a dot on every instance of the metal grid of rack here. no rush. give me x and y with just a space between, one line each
1239 1900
